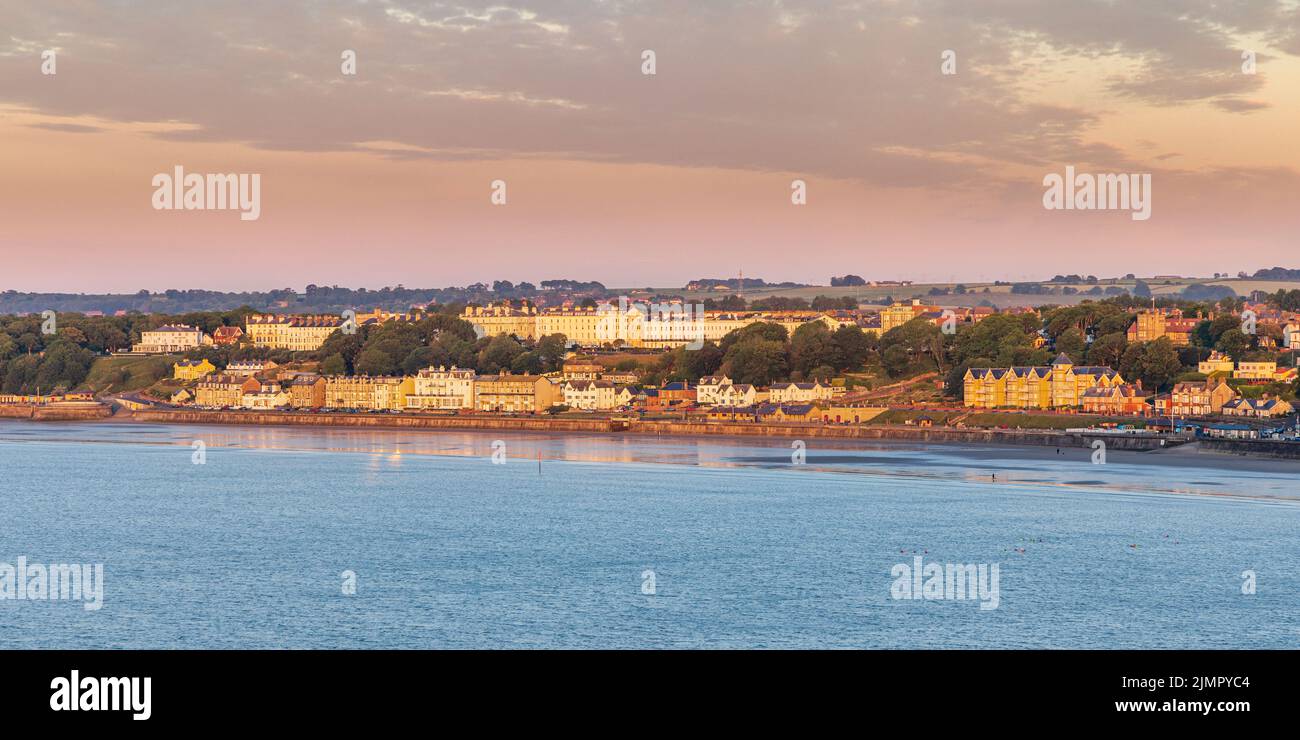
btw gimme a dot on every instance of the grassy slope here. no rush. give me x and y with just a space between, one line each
144 371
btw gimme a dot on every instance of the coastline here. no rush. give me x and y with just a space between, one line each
1254 455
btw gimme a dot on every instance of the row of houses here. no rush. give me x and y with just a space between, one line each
1101 390
452 389
1059 385
9 399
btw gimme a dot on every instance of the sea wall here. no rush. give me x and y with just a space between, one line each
1253 447
674 428
56 412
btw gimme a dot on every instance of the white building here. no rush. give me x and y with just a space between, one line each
170 339
440 388
800 392
590 395
708 392
271 396
250 367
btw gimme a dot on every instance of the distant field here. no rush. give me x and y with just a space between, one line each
999 295
119 374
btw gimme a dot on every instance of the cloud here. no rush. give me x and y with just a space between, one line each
852 91
69 128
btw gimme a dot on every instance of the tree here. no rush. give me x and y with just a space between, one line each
375 362
851 347
334 365
499 354
1108 349
811 347
1071 342
756 361
896 360
551 350
1159 364
759 330
1234 343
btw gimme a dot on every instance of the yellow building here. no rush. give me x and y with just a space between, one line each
1028 387
192 369
219 391
366 393
896 315
799 392
1258 370
1217 363
295 333
515 393
503 318
1061 385
307 391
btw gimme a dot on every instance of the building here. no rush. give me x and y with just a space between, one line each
170 339
581 370
799 392
227 335
516 393
897 314
1060 385
1197 399
676 394
503 318
192 369
1069 382
850 413
349 392
269 396
390 393
1264 407
1151 324
250 367
1263 370
221 391
708 392
442 389
1217 363
307 391
589 395
294 333
1127 398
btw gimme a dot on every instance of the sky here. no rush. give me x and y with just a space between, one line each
385 176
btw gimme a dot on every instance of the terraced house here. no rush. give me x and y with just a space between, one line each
515 393
1060 385
220 391
294 333
443 389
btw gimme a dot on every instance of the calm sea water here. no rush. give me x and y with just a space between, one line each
747 549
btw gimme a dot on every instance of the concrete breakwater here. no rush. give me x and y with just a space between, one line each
1253 447
56 412
933 435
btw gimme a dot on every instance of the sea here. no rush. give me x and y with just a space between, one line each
301 537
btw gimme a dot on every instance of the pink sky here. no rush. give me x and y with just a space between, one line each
633 180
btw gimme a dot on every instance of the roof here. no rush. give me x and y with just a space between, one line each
1062 359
